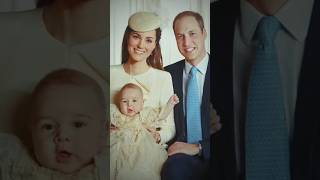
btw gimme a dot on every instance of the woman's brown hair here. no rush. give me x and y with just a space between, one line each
154 60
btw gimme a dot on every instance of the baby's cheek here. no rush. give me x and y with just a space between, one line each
89 142
42 140
44 153
86 156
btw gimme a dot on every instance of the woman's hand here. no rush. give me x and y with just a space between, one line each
154 132
113 128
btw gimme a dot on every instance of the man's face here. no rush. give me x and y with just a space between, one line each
190 39
68 127
131 102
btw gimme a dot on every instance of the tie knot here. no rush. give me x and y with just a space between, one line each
193 71
267 28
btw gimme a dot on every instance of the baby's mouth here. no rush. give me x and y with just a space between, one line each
63 156
130 110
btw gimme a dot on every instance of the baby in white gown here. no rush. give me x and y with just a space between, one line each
135 151
67 120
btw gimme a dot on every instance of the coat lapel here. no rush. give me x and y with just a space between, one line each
180 118
205 105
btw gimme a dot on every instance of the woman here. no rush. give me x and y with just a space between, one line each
142 65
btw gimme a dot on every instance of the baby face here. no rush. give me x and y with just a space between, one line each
68 127
131 102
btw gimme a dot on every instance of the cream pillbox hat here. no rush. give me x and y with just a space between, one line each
144 21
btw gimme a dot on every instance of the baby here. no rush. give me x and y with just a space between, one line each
134 140
67 131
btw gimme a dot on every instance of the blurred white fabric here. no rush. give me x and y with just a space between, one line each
16 5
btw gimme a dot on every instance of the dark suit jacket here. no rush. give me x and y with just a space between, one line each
176 71
305 146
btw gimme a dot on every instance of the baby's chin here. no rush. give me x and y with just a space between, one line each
68 168
131 114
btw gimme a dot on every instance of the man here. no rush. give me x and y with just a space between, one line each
233 42
190 149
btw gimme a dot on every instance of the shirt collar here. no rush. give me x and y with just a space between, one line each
295 23
295 16
248 21
202 66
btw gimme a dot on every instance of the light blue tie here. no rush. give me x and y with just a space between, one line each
193 108
267 138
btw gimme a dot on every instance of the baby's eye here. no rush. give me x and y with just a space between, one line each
124 101
47 127
79 124
134 100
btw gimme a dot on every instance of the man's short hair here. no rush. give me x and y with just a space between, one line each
196 15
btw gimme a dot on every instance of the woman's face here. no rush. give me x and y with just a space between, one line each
141 45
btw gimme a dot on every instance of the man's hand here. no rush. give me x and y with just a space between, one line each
215 123
185 148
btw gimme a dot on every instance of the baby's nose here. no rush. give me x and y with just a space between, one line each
62 136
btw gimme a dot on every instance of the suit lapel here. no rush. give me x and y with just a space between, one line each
206 86
179 81
178 85
205 110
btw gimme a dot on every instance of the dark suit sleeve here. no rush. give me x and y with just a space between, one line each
205 152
